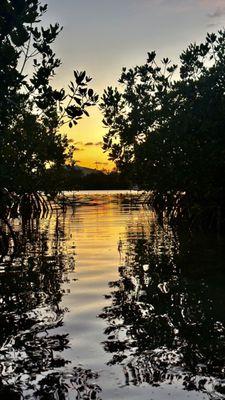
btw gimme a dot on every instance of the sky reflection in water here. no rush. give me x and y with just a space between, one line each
101 302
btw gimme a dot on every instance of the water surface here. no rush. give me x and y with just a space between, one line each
100 301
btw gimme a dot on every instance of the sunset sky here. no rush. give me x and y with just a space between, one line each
102 36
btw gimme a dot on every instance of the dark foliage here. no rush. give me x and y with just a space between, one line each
169 131
31 110
166 319
73 179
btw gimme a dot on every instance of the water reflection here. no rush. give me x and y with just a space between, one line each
32 363
161 330
166 320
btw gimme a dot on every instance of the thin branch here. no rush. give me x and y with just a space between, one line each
27 54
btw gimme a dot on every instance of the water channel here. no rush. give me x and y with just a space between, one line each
100 301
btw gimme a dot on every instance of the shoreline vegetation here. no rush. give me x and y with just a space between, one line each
32 111
165 125
131 277
166 129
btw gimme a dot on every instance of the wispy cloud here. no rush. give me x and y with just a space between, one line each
93 144
78 149
215 3
101 163
211 25
213 8
219 12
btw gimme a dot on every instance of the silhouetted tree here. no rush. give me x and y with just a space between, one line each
73 179
169 131
31 110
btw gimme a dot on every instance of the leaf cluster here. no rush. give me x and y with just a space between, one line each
166 127
32 111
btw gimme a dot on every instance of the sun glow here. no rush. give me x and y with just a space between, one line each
87 138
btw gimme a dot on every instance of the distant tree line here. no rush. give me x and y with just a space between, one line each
166 128
73 179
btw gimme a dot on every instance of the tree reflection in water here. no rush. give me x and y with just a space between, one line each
31 361
166 321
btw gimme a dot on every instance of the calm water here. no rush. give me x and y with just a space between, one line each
100 302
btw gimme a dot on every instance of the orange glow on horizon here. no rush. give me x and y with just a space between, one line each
87 138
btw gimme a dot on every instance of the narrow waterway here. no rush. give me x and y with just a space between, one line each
101 302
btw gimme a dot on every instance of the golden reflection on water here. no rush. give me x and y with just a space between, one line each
97 287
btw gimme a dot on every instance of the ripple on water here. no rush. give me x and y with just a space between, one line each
101 302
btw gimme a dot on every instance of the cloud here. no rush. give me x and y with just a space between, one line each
216 3
185 5
219 12
93 144
78 149
211 25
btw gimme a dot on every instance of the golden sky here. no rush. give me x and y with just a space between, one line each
102 36
87 137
